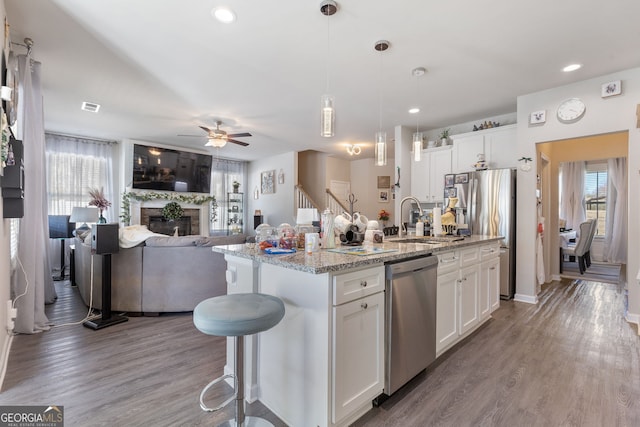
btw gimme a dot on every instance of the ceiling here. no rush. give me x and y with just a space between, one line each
162 68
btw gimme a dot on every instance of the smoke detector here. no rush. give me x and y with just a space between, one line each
328 7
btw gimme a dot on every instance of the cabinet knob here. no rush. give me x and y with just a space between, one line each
492 268
364 305
363 283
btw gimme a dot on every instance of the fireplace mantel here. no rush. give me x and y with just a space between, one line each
158 200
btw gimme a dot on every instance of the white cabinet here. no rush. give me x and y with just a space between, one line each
358 341
468 283
499 146
427 175
489 279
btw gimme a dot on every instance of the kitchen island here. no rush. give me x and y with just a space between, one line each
324 363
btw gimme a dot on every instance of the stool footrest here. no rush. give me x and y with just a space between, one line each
211 384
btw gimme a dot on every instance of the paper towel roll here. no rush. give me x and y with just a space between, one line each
436 227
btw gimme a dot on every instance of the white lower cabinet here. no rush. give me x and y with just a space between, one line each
467 281
358 342
358 365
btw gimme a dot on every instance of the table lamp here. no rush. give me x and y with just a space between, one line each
83 215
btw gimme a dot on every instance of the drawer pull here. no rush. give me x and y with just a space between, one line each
492 268
448 261
363 283
364 305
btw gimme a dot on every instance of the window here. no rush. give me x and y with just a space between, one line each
75 165
595 187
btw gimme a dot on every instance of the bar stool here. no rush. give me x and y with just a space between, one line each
237 315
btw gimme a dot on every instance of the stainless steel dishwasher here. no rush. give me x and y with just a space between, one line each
410 319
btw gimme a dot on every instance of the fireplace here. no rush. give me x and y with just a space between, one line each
187 225
158 224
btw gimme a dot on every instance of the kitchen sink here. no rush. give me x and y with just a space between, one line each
427 239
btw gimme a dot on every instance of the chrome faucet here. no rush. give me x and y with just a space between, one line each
402 227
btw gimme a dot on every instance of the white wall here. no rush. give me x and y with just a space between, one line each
5 286
364 186
279 206
603 115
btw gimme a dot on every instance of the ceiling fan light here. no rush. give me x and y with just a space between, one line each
216 142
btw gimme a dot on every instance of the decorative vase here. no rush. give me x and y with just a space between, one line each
236 188
101 219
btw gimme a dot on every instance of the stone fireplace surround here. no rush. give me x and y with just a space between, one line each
140 212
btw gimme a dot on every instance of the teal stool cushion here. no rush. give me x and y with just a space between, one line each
236 315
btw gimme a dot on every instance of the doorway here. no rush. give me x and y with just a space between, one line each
587 148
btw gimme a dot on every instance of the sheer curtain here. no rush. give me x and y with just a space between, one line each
572 205
615 242
74 165
32 285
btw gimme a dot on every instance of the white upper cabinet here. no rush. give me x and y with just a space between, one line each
427 175
497 144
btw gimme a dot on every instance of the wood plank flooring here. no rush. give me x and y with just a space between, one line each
570 360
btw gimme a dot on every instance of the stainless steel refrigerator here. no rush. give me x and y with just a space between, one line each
487 203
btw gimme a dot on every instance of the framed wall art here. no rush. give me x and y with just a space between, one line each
461 178
384 181
611 89
267 180
383 196
538 117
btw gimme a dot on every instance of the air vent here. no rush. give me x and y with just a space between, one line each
90 106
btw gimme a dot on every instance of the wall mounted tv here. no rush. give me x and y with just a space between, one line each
157 168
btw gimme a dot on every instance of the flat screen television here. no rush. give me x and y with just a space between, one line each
157 168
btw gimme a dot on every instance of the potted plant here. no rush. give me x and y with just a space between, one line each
98 200
236 186
383 216
444 137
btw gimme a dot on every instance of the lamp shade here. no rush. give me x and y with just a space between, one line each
85 215
306 215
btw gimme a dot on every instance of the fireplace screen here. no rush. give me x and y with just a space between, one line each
158 224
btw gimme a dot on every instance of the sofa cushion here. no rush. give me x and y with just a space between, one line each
172 241
221 240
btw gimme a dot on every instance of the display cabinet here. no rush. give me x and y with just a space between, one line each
235 213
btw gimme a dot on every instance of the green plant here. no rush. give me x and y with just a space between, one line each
172 211
445 134
151 195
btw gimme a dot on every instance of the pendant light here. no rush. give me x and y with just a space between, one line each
327 112
417 136
380 143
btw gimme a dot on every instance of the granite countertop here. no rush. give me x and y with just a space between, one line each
325 260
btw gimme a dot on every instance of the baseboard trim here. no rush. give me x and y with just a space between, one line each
633 318
526 298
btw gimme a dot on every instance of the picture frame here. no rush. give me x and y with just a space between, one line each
461 178
383 196
384 181
267 182
450 192
611 89
281 177
538 117
449 180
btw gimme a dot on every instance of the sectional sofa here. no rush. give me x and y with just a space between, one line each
162 274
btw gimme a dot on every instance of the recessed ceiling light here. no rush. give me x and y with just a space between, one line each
572 67
90 106
223 14
414 110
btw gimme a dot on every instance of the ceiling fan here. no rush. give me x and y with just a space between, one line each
219 138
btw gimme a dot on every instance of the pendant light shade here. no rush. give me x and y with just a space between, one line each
417 146
381 149
380 158
327 112
328 117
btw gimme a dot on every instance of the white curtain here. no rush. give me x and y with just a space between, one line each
615 242
75 165
31 283
572 203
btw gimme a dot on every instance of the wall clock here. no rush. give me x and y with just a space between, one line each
571 110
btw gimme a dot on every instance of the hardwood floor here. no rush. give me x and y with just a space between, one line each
570 360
